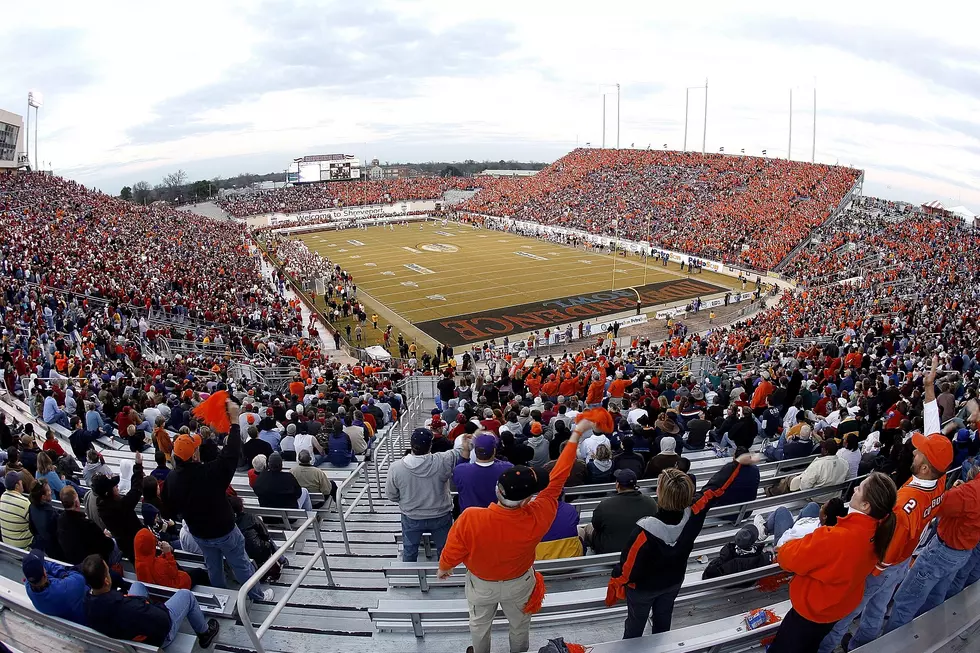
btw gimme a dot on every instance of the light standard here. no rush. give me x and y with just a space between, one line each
687 100
604 114
615 252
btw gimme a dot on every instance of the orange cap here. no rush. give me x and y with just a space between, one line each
937 449
185 445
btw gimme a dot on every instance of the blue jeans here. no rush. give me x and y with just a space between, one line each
412 530
878 592
967 575
782 520
231 547
183 604
927 582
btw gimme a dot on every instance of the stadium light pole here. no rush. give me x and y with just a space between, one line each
603 121
789 148
704 134
615 250
813 155
687 103
617 115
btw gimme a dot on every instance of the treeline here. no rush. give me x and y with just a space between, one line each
177 189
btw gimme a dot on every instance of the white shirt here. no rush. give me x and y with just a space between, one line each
634 415
853 459
589 443
304 441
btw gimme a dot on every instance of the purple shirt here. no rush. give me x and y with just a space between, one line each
477 484
565 524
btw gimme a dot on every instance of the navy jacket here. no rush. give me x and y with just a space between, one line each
127 617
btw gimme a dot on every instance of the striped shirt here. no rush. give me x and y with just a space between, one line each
14 526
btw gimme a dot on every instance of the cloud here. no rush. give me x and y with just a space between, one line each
936 61
349 49
41 64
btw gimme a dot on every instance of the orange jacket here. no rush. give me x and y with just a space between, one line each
498 543
157 569
618 387
762 392
917 500
831 565
297 388
597 389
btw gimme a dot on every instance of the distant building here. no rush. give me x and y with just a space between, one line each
376 172
509 173
13 150
399 172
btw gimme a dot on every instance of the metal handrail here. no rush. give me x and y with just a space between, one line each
359 472
243 601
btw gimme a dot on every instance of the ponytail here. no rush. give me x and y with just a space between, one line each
880 493
883 535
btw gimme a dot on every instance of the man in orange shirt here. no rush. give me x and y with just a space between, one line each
617 389
497 545
597 389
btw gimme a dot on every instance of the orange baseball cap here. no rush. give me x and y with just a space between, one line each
937 449
185 445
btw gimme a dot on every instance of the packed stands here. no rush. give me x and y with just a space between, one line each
741 210
830 362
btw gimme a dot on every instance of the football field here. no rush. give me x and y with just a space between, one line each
459 285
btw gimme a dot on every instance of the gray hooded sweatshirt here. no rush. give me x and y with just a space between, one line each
420 484
542 453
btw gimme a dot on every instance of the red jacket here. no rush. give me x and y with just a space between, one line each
959 512
157 569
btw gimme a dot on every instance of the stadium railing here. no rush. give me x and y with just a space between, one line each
255 635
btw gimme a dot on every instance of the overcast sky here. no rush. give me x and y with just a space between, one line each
133 90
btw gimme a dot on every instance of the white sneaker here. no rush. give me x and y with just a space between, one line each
268 595
759 521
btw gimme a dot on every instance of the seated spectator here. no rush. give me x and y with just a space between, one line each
697 432
46 471
270 435
44 521
341 450
476 482
666 459
278 489
743 554
255 446
52 413
81 439
28 455
579 469
599 469
163 529
15 509
561 540
287 446
13 464
162 469
590 442
79 537
313 479
781 525
259 546
162 569
797 443
628 459
94 464
614 519
54 589
826 469
136 439
309 443
51 446
258 466
355 433
684 465
118 511
851 455
133 617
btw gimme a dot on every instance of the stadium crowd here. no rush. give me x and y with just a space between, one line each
876 378
740 210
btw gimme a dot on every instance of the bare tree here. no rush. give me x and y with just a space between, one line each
175 180
141 192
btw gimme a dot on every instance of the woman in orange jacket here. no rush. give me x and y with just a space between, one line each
831 564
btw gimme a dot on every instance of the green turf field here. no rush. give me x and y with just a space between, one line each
426 273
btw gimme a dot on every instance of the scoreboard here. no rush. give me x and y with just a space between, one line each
327 167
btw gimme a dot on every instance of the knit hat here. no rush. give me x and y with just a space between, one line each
185 445
535 428
274 463
963 435
746 537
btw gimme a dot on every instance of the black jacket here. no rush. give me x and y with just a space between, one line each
631 461
731 560
81 441
44 525
79 537
743 432
697 432
614 520
255 447
127 617
655 557
119 515
196 491
276 490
